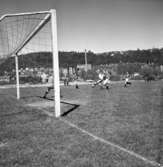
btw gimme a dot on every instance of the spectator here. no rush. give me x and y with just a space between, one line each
44 77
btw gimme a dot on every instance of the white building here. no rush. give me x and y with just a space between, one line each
83 66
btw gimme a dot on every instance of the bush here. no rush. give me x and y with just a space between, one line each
92 75
3 83
139 77
30 79
115 78
89 75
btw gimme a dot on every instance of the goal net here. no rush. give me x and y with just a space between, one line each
31 34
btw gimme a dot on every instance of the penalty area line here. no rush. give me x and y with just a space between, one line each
112 144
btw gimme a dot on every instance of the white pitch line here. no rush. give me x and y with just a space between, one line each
112 144
39 85
105 141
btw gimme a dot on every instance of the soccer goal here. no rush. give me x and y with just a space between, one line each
31 33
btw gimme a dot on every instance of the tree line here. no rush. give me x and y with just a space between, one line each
44 59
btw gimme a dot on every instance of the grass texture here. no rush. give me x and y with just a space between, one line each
129 117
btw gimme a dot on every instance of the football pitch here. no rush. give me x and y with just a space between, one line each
120 127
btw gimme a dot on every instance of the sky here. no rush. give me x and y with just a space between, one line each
100 25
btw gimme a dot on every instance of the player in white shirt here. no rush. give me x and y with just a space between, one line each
104 80
44 77
101 78
127 82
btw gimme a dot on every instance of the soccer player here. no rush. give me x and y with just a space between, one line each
127 82
43 77
76 77
50 87
106 81
66 80
102 77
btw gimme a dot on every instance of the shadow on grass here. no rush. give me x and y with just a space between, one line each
74 106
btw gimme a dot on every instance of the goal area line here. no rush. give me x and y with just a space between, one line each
138 156
112 144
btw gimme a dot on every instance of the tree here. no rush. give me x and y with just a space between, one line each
147 71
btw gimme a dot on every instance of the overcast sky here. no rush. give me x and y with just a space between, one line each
100 25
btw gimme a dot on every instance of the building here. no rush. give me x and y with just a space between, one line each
83 67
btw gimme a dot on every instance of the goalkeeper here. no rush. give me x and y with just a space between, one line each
50 86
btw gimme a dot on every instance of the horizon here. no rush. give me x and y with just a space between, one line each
82 51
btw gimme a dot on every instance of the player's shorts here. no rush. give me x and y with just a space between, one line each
129 83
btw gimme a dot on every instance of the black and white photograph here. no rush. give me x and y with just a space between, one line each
81 83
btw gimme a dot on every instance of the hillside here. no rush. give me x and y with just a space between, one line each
44 59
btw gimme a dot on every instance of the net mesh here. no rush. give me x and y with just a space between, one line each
17 34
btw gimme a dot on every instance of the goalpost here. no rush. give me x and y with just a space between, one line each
31 33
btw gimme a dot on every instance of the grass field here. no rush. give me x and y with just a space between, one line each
131 118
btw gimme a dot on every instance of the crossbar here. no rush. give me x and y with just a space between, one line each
21 14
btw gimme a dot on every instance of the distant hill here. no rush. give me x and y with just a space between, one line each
44 59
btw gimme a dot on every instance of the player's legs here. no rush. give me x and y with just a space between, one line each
129 83
106 83
47 91
77 86
125 85
97 83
